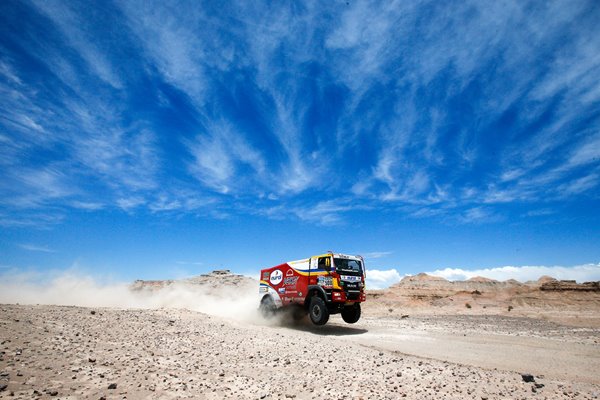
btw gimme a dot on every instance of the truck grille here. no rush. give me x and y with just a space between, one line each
352 294
352 291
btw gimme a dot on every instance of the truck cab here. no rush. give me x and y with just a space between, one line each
319 286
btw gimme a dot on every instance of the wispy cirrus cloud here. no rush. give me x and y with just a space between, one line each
36 248
303 110
220 153
377 254
70 23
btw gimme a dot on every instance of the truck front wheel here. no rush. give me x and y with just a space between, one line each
319 314
351 314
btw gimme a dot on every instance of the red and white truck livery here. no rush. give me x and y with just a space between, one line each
321 285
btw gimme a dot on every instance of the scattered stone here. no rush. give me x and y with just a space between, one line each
93 312
3 387
242 354
527 378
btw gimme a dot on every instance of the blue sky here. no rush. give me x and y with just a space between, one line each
157 140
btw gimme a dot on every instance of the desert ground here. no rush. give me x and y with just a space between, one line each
401 347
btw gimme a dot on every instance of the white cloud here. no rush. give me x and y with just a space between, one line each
580 273
377 254
588 152
122 158
381 279
392 53
128 203
34 220
70 24
35 187
36 248
478 215
322 213
579 185
220 153
87 205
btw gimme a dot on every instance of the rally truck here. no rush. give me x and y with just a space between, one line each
318 286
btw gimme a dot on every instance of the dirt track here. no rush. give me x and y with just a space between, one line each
514 344
68 352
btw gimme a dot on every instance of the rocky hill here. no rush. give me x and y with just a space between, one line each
424 282
546 298
428 283
212 282
562 286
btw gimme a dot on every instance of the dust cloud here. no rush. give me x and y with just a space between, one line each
74 289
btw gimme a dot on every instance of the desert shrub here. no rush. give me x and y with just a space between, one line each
510 308
467 305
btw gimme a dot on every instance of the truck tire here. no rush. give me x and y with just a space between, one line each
319 314
267 307
351 314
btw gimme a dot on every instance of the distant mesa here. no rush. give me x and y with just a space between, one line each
545 278
221 272
568 285
435 290
513 282
481 279
425 277
422 277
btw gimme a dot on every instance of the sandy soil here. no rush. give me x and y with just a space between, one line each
74 352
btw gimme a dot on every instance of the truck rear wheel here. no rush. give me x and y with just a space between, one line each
351 314
319 314
267 307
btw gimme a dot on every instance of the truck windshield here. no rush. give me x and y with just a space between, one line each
347 266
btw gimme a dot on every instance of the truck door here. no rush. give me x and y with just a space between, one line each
312 278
